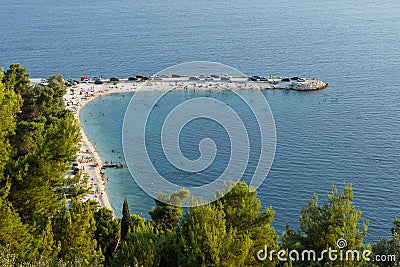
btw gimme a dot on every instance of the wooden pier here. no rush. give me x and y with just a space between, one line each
113 165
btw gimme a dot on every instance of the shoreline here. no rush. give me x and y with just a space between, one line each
229 83
89 160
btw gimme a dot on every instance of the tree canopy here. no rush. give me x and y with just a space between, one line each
38 143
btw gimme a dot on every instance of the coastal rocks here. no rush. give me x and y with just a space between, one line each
297 84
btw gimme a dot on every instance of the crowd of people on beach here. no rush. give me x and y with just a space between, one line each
90 163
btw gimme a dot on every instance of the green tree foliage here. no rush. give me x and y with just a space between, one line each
9 259
137 244
38 142
43 147
48 248
204 238
389 247
228 232
126 220
17 80
75 186
13 233
322 226
138 248
396 240
76 234
107 233
168 249
243 214
10 103
166 216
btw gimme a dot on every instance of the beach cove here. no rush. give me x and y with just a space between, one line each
90 162
292 180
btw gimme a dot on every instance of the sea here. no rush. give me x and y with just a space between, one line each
348 132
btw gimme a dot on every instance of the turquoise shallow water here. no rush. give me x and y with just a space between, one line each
102 122
347 132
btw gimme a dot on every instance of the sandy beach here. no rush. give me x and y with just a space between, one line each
90 162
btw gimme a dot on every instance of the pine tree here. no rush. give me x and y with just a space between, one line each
389 247
138 248
321 226
48 248
13 233
126 220
44 145
77 240
107 232
10 103
167 212
204 237
243 214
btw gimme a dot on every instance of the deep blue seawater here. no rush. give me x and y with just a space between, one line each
347 132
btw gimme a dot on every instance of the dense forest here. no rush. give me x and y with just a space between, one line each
39 141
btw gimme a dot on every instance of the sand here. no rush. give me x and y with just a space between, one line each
90 161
